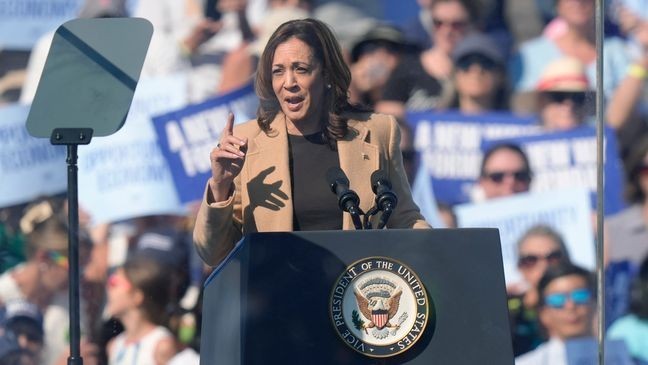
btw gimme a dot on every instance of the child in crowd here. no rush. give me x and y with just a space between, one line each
138 295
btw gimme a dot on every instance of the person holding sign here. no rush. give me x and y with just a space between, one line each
504 171
269 174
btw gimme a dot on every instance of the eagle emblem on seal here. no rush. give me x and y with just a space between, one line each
378 300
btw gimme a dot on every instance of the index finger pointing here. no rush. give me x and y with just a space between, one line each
229 125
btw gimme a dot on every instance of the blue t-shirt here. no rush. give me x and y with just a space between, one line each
634 331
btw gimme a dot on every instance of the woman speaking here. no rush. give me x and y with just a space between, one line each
269 174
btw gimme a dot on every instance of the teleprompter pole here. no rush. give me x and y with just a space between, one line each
72 137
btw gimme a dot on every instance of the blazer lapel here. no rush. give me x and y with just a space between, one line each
358 160
269 186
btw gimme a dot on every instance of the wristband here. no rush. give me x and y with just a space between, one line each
637 71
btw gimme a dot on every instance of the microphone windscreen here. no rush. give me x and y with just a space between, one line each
379 176
335 175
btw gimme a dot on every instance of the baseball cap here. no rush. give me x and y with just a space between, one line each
19 308
381 33
478 43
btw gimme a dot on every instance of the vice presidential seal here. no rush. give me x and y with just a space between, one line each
379 307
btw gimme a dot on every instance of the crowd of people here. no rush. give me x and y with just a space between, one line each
142 277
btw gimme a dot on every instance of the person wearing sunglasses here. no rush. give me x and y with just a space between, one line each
419 83
504 171
43 278
566 308
573 37
563 91
478 76
539 248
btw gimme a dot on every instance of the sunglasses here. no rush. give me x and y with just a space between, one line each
498 177
484 62
115 280
59 259
452 24
578 297
560 97
529 261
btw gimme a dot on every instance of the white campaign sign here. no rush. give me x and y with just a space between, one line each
566 211
29 167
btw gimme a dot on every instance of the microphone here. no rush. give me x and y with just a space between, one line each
348 200
386 200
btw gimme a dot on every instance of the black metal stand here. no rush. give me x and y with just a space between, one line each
72 137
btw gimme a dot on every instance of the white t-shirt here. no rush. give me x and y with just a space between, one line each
549 353
140 352
185 357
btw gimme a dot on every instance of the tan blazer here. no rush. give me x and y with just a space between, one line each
262 201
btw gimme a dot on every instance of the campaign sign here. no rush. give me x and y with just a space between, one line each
22 22
29 166
568 159
188 135
618 283
567 211
124 175
423 195
450 143
584 350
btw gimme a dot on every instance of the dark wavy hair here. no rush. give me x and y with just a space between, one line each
562 270
504 146
326 51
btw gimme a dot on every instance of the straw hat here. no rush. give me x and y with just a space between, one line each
566 74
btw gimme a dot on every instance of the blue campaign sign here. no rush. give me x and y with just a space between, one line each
187 136
584 350
124 175
568 159
450 146
618 282
29 166
23 22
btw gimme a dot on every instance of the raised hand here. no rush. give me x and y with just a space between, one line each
226 161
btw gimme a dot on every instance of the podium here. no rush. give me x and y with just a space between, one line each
295 298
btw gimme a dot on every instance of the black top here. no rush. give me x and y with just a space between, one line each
314 205
410 84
